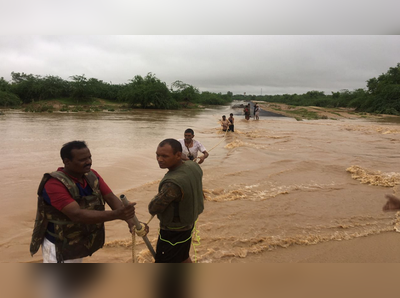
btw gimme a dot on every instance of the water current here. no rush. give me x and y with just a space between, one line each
274 184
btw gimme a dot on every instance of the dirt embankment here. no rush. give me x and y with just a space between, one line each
95 105
297 112
312 112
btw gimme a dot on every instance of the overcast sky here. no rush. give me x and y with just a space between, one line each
255 64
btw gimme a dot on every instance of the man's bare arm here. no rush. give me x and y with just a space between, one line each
78 215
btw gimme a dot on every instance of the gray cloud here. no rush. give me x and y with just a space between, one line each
200 17
275 64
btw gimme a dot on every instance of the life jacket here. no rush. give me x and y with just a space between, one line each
72 240
188 177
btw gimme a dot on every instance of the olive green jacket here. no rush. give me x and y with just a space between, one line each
73 240
184 213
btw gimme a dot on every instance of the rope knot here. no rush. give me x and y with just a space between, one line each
142 231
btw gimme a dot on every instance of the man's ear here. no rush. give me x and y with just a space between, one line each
66 161
179 154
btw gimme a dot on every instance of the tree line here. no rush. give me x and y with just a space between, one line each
381 96
139 92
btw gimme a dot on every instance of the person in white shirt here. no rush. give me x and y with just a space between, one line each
256 112
225 123
190 147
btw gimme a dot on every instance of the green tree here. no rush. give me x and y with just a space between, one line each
385 91
4 85
80 89
184 93
97 88
315 94
54 87
211 98
26 86
147 92
8 99
391 77
357 99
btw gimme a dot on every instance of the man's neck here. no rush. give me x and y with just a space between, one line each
79 177
173 168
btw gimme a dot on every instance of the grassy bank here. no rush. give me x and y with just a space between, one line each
91 105
314 113
70 105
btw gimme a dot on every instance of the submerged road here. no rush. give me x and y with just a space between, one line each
263 113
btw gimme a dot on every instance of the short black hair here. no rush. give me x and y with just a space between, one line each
66 149
175 145
189 130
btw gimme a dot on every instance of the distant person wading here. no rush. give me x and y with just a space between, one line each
256 112
247 112
191 147
231 123
224 123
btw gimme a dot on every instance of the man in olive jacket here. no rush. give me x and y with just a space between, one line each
179 202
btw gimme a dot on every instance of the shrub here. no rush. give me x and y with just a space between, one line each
8 99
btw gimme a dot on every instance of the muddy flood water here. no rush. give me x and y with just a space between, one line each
277 190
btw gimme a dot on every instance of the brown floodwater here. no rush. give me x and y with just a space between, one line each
272 185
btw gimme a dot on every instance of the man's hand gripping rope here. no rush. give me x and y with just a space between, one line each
141 229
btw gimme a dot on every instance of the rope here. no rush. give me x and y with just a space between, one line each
216 144
141 233
221 140
195 238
